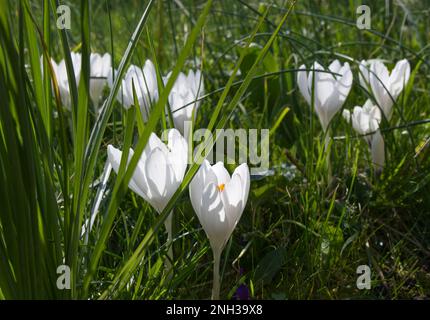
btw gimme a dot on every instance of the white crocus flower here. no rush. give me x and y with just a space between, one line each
365 121
187 89
159 172
100 68
330 88
145 85
219 201
385 87
62 79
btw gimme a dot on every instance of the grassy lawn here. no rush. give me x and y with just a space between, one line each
321 208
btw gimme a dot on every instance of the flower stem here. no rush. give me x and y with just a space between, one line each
168 225
328 162
216 280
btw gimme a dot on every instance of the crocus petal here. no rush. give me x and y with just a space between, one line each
100 70
363 124
149 85
399 77
221 173
335 66
368 105
186 90
232 201
344 83
114 157
62 77
202 178
325 96
363 74
178 154
245 177
160 179
155 170
76 61
375 118
302 81
380 83
312 84
106 64
155 142
213 217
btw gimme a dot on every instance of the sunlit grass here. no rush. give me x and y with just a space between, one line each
304 231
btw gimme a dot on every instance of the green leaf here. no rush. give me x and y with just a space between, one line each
270 265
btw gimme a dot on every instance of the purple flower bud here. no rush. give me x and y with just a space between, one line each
242 293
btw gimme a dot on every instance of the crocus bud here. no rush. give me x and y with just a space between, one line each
365 121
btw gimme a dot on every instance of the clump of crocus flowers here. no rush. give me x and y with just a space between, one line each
328 89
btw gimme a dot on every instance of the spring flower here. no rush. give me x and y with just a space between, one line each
159 172
330 88
385 87
219 201
187 89
145 85
62 79
365 121
100 68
